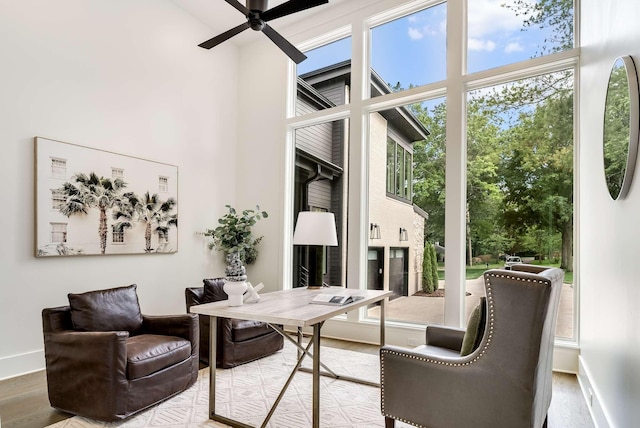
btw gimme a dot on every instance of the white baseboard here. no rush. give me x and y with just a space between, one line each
565 358
598 413
18 365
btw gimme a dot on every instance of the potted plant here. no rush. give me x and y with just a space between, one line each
235 238
234 235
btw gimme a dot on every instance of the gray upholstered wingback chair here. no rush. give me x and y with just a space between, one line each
504 382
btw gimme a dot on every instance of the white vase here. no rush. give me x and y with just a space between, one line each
235 290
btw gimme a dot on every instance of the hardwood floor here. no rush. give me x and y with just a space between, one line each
24 402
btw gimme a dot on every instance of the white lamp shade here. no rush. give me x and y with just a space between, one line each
315 228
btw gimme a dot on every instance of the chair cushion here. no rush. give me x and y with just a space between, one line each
148 353
242 330
436 351
114 309
475 328
213 291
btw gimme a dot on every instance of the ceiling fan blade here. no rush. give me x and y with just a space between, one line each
224 36
292 6
239 6
284 44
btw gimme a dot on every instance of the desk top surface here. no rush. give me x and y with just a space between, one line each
291 307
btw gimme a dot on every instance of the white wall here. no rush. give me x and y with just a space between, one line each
118 75
609 231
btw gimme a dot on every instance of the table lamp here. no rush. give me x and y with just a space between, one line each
315 228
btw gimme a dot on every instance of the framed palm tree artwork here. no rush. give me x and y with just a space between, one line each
95 202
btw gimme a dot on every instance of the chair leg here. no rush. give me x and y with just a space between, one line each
389 422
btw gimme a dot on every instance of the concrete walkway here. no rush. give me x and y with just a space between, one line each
430 310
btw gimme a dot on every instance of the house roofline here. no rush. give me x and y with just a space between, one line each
343 68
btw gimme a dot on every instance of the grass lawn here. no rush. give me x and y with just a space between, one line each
474 272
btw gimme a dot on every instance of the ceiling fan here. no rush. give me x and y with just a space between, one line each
257 17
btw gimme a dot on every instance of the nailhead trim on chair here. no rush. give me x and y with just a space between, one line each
491 319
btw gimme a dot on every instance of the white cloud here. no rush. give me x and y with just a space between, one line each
415 34
419 33
514 47
481 45
488 17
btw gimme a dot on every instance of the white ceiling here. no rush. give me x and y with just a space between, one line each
221 16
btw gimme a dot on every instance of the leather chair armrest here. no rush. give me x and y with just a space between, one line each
181 325
87 372
76 359
87 348
445 337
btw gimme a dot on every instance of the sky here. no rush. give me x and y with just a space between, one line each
411 50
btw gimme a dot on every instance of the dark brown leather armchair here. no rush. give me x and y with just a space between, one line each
505 381
107 361
239 341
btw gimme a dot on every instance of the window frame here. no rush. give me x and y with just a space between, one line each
399 187
454 89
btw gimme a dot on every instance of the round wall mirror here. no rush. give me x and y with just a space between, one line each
621 122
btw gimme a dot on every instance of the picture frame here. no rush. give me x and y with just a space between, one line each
95 202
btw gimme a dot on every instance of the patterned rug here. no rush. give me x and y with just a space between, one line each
246 393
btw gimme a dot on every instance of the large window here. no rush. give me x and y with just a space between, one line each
324 77
320 165
496 132
520 179
409 51
502 32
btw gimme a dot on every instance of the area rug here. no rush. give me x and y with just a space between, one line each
246 393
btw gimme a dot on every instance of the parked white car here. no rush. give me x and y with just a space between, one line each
512 260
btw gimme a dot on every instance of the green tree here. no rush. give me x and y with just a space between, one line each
484 196
556 15
519 152
434 266
429 170
538 171
537 163
429 269
428 261
90 191
156 215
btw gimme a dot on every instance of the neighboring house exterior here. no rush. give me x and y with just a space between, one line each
57 234
396 232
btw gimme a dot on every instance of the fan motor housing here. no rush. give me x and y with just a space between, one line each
256 24
257 5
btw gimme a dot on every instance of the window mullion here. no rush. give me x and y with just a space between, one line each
455 181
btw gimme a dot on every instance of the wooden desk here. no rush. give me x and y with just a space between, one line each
290 308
